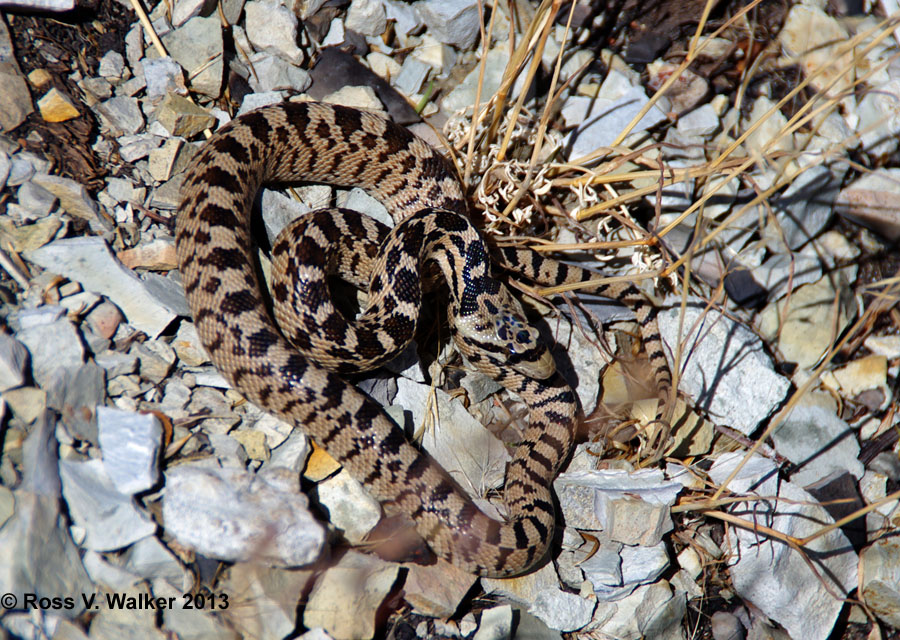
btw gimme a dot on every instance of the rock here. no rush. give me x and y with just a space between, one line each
37 200
262 600
561 610
350 508
359 200
188 347
116 364
72 195
460 444
231 9
40 457
33 538
651 611
109 518
87 260
130 444
124 190
258 100
274 73
15 99
632 508
229 451
185 10
133 148
768 137
163 76
688 90
254 443
725 626
496 624
112 65
168 291
335 36
121 115
124 621
406 18
806 206
175 398
887 346
783 272
742 394
132 86
232 514
463 95
162 160
616 571
272 27
382 65
366 17
292 453
278 211
149 559
13 362
804 324
453 22
183 118
31 236
601 119
52 346
436 590
76 391
702 121
27 403
854 378
104 319
813 39
523 589
55 106
587 360
880 573
359 97
868 199
5 167
197 47
361 582
205 400
435 54
192 622
112 576
412 74
768 572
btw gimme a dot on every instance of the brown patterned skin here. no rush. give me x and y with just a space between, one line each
341 146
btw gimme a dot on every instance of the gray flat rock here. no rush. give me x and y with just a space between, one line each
111 519
725 369
233 514
130 444
768 572
87 260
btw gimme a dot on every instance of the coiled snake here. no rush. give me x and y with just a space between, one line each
297 380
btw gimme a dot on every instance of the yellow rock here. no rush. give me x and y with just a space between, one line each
39 78
56 107
320 465
869 372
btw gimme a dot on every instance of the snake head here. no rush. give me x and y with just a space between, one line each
498 331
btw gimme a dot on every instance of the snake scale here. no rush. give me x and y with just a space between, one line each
293 373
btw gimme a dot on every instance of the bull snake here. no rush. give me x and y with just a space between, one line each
297 379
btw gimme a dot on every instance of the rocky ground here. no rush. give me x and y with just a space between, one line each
739 163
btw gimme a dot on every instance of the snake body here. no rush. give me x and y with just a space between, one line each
294 373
